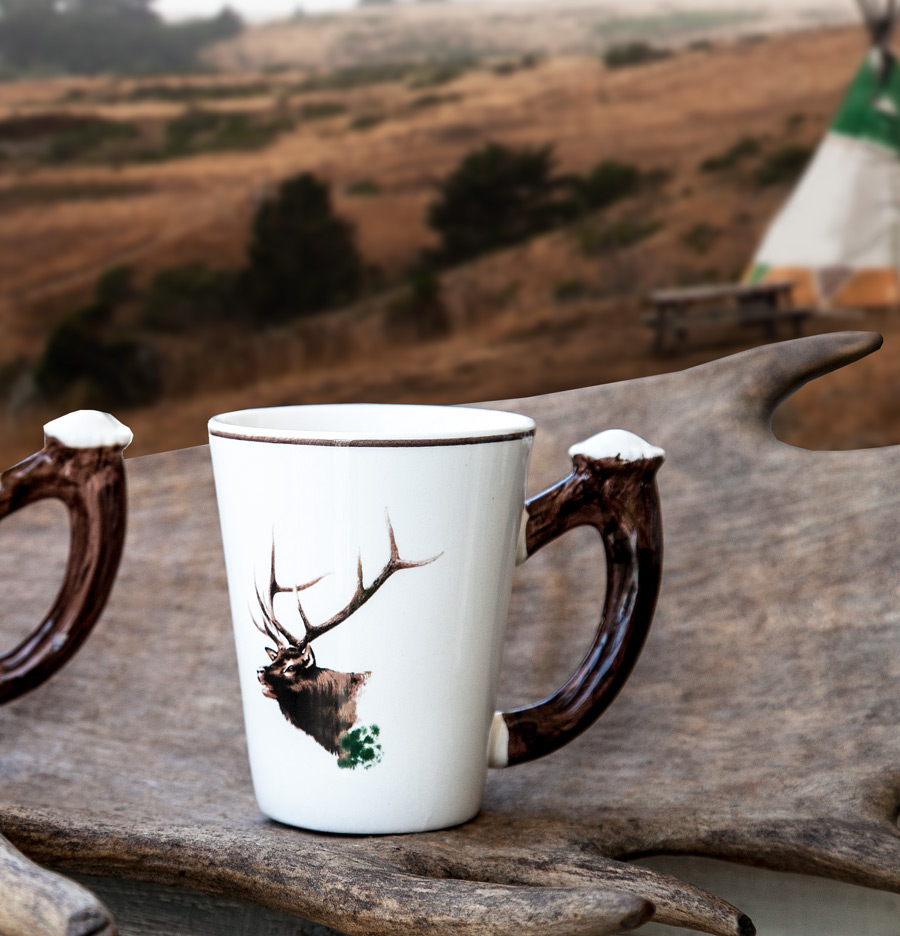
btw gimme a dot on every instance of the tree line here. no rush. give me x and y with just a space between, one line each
91 37
303 259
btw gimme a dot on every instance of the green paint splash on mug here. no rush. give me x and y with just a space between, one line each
361 748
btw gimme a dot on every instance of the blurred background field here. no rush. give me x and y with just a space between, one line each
416 202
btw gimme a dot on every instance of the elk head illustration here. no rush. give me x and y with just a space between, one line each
320 702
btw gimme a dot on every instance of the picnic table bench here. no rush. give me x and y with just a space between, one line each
761 724
677 312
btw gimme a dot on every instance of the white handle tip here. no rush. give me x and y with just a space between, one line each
89 429
616 443
498 742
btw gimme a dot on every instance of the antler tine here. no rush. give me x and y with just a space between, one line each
264 630
272 627
296 589
363 593
275 589
395 553
273 585
306 625
396 562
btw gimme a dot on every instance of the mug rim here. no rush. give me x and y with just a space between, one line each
387 425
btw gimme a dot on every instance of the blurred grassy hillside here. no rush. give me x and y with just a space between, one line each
477 228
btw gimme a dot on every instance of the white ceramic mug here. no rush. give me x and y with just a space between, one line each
370 551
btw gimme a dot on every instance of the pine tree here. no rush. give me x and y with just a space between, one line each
302 257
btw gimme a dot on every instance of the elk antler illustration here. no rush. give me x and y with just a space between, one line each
318 701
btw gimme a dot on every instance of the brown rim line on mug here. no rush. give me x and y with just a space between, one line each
221 427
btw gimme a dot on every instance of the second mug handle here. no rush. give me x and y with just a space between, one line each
613 489
80 464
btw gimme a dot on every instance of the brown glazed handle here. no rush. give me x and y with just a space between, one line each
613 489
80 464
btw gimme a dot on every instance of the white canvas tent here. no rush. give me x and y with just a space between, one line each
838 236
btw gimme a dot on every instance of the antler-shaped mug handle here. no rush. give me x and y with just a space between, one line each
612 488
81 464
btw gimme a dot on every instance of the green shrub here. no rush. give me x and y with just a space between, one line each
745 148
701 238
421 309
243 132
184 296
629 54
432 100
497 196
199 92
110 370
23 128
438 74
319 110
199 131
41 193
502 69
607 183
655 178
359 76
617 235
367 121
364 187
570 290
511 66
184 131
115 286
91 136
302 257
783 166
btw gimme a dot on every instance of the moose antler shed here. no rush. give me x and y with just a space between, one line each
760 725
320 702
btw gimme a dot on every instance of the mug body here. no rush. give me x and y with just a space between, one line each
369 552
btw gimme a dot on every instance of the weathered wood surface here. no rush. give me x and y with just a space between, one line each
780 904
37 902
761 724
142 908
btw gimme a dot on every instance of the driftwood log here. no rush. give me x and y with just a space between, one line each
761 724
37 902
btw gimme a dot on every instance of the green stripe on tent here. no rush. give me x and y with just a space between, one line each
757 273
871 110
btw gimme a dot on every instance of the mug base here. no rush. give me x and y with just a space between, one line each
442 819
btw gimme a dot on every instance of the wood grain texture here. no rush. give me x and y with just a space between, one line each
142 908
37 902
761 724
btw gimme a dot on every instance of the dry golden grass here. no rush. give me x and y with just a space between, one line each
669 114
511 336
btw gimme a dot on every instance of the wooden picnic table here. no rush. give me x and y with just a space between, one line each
761 724
678 311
